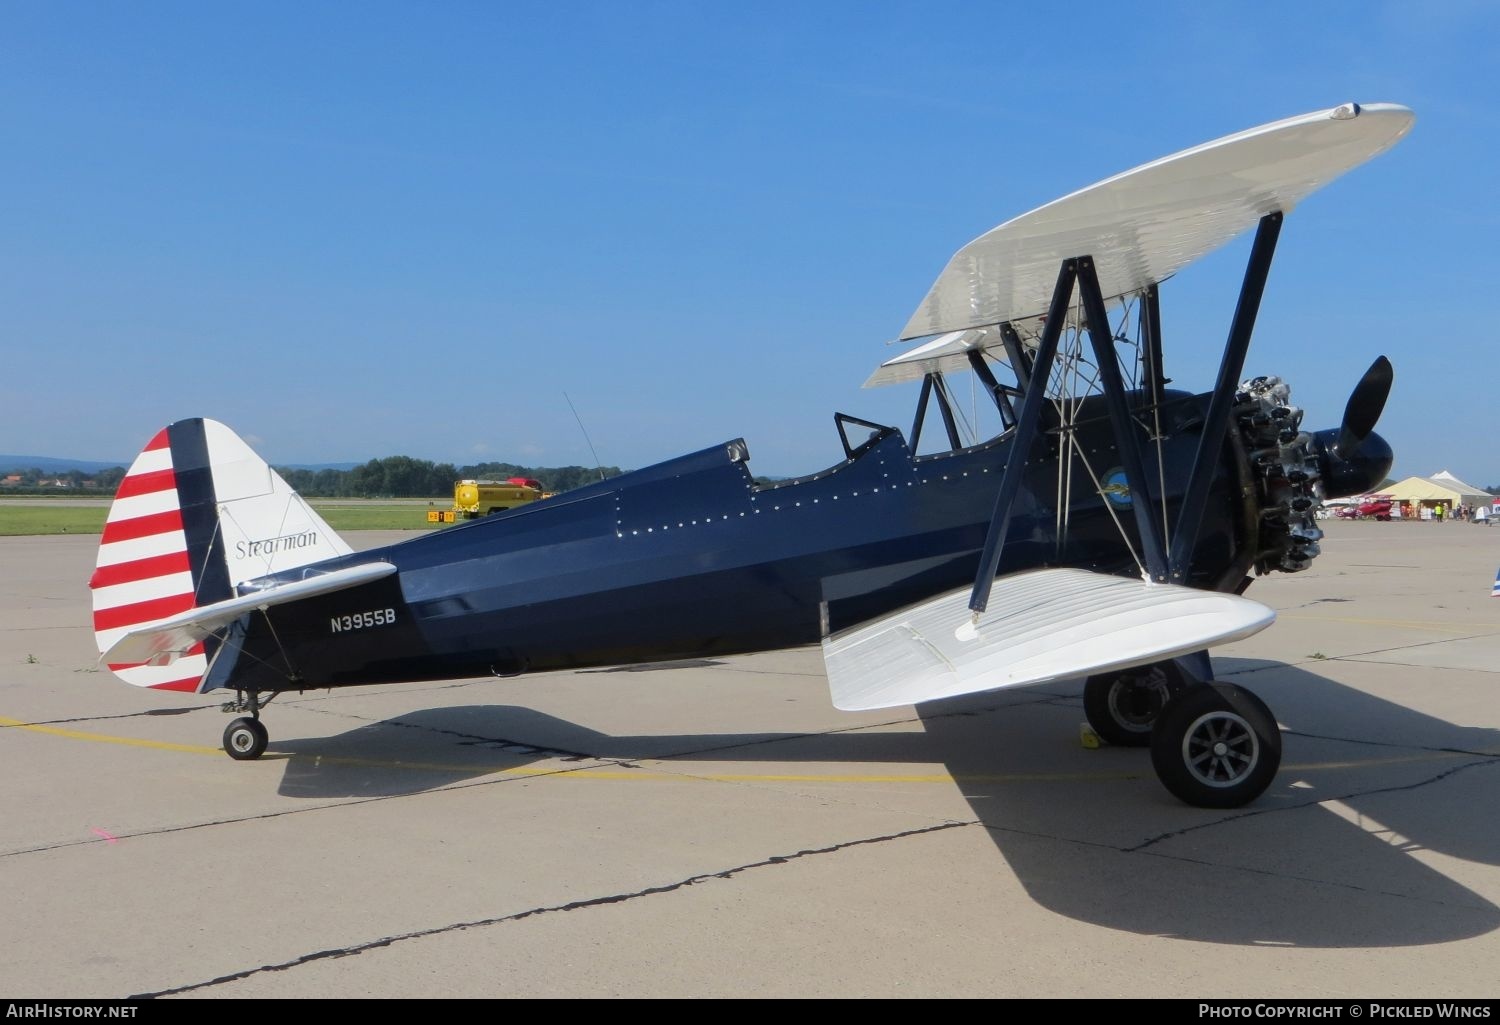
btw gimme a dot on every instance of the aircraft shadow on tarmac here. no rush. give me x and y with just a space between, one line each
1091 834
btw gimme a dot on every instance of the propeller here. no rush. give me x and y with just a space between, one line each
1352 457
1365 406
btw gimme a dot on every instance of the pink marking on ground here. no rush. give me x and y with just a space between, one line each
107 837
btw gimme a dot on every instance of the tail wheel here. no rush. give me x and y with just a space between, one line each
1123 706
1216 745
245 739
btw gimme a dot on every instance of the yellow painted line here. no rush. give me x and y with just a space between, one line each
104 738
935 777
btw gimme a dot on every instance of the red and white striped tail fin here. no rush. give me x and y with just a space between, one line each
143 571
197 513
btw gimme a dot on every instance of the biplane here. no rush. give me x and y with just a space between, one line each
1107 530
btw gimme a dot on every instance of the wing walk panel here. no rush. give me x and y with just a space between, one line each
1048 624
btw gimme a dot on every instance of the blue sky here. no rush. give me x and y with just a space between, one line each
360 230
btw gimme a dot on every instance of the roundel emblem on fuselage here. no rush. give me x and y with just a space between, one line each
1116 488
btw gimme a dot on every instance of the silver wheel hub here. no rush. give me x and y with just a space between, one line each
1220 749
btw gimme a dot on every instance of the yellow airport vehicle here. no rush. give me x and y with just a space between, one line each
475 498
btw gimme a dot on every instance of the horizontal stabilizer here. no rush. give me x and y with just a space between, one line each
161 641
1049 624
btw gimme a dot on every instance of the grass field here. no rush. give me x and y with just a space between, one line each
342 515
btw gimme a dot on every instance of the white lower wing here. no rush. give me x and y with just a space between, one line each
163 640
1049 624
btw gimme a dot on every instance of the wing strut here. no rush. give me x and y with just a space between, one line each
916 427
1151 328
1162 563
1025 436
1211 442
1156 382
1127 435
940 389
998 392
1020 362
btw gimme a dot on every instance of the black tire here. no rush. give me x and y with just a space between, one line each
1216 745
1123 706
245 739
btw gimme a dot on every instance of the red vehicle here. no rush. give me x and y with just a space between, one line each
1368 506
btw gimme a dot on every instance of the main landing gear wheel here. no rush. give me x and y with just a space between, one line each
1122 706
245 739
1216 745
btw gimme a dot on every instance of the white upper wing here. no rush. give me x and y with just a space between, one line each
1144 225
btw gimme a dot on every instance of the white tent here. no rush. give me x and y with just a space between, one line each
1441 488
1468 493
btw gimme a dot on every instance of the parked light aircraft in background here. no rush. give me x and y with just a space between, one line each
1108 529
1377 507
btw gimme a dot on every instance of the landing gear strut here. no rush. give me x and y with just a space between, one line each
1123 706
1216 745
1213 745
245 738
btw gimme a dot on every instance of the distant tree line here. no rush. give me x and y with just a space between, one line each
32 480
404 477
393 477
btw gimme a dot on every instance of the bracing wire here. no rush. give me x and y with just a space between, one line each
598 465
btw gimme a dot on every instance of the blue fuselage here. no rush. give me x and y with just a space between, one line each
691 558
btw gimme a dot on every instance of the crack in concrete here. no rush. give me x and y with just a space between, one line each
1317 601
1390 744
1414 644
775 860
1359 656
1353 795
105 718
1142 848
1416 665
1221 867
652 667
267 816
626 762
593 902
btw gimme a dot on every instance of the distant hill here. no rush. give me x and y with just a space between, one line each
51 464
